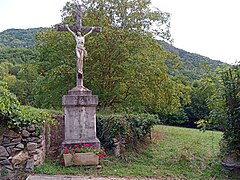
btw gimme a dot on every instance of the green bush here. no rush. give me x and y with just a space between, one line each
132 127
29 115
9 105
13 115
230 143
177 118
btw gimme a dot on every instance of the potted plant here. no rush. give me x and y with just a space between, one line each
82 155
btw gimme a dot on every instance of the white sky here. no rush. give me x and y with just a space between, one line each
207 27
29 13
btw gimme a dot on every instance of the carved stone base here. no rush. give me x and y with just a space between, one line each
80 116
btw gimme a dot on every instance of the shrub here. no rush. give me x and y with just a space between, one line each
29 115
132 127
177 118
231 137
9 105
14 115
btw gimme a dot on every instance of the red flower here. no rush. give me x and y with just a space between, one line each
75 146
76 156
57 156
72 152
62 161
100 155
86 145
64 152
65 148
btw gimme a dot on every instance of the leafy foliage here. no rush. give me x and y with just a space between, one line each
16 45
57 67
191 66
199 108
177 118
216 116
124 78
9 105
126 67
17 55
231 85
19 38
223 102
28 115
128 62
14 115
21 80
133 127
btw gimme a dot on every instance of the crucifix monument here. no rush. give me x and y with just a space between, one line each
80 40
79 104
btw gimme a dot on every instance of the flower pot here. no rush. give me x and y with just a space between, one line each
81 159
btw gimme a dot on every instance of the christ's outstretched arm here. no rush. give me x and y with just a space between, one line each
89 31
70 31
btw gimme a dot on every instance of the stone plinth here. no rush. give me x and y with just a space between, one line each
80 116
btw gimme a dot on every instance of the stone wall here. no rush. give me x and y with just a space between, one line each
55 134
21 150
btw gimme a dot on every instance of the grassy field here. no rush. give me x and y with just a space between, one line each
175 152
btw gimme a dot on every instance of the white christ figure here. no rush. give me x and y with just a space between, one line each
81 51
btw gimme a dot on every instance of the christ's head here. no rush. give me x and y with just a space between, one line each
79 33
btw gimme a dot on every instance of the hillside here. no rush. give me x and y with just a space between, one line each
194 66
19 38
15 47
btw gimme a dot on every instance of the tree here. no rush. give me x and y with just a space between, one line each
198 108
125 66
56 64
230 112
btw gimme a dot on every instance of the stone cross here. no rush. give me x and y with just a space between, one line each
78 28
79 104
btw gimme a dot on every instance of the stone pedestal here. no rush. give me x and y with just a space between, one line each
80 116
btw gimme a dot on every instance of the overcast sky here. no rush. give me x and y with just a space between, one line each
207 27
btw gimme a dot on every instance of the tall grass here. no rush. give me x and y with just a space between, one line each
174 152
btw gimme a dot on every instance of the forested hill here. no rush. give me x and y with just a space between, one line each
194 66
19 38
15 47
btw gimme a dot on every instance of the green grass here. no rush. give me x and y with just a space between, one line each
174 152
